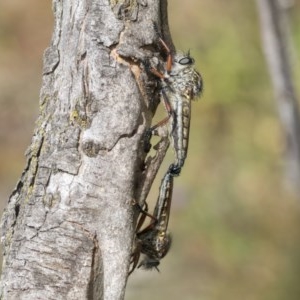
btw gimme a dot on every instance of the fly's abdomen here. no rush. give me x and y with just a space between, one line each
163 204
180 133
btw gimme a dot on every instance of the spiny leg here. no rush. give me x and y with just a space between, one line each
143 213
135 257
169 55
153 129
166 48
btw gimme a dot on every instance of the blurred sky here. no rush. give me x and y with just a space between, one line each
235 225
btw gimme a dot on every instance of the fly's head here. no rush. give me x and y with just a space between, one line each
182 61
148 263
185 80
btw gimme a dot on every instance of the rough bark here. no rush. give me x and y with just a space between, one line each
69 225
275 36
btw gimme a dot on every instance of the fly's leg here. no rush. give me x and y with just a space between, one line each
169 55
162 123
167 105
166 48
143 213
136 253
168 65
135 257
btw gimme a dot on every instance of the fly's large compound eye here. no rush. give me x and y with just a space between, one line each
186 61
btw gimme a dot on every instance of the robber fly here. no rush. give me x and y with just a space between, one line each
180 83
154 241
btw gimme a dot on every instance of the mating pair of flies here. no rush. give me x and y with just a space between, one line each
179 84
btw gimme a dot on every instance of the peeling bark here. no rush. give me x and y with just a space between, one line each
69 225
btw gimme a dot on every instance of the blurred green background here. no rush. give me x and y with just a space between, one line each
235 226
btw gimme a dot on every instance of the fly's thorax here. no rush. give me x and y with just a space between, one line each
184 79
187 83
148 242
155 243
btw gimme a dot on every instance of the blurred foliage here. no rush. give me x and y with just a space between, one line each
25 32
235 225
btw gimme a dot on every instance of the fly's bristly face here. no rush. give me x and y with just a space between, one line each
184 79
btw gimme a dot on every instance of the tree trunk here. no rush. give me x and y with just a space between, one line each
69 225
275 35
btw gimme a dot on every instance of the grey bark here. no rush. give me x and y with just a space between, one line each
68 228
276 40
